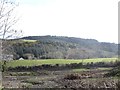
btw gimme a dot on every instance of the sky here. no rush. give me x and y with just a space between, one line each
89 19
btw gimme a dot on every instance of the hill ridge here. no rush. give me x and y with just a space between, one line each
46 47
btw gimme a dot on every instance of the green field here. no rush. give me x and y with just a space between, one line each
16 63
29 40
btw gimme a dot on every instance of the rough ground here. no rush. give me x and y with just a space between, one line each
60 79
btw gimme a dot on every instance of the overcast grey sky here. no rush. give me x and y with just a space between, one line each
92 19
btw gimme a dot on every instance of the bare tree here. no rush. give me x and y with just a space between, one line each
7 19
7 22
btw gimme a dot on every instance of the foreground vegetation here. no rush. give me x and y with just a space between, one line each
86 79
62 73
89 76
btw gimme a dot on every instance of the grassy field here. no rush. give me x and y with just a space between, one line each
29 40
16 63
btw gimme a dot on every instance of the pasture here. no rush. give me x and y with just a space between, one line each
16 63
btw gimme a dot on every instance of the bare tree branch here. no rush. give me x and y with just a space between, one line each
7 23
7 19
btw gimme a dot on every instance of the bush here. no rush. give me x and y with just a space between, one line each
72 76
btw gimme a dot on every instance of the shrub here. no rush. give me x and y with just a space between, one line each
72 76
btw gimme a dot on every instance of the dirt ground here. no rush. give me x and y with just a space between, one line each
93 78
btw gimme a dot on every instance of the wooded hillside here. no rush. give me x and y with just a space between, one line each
47 47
